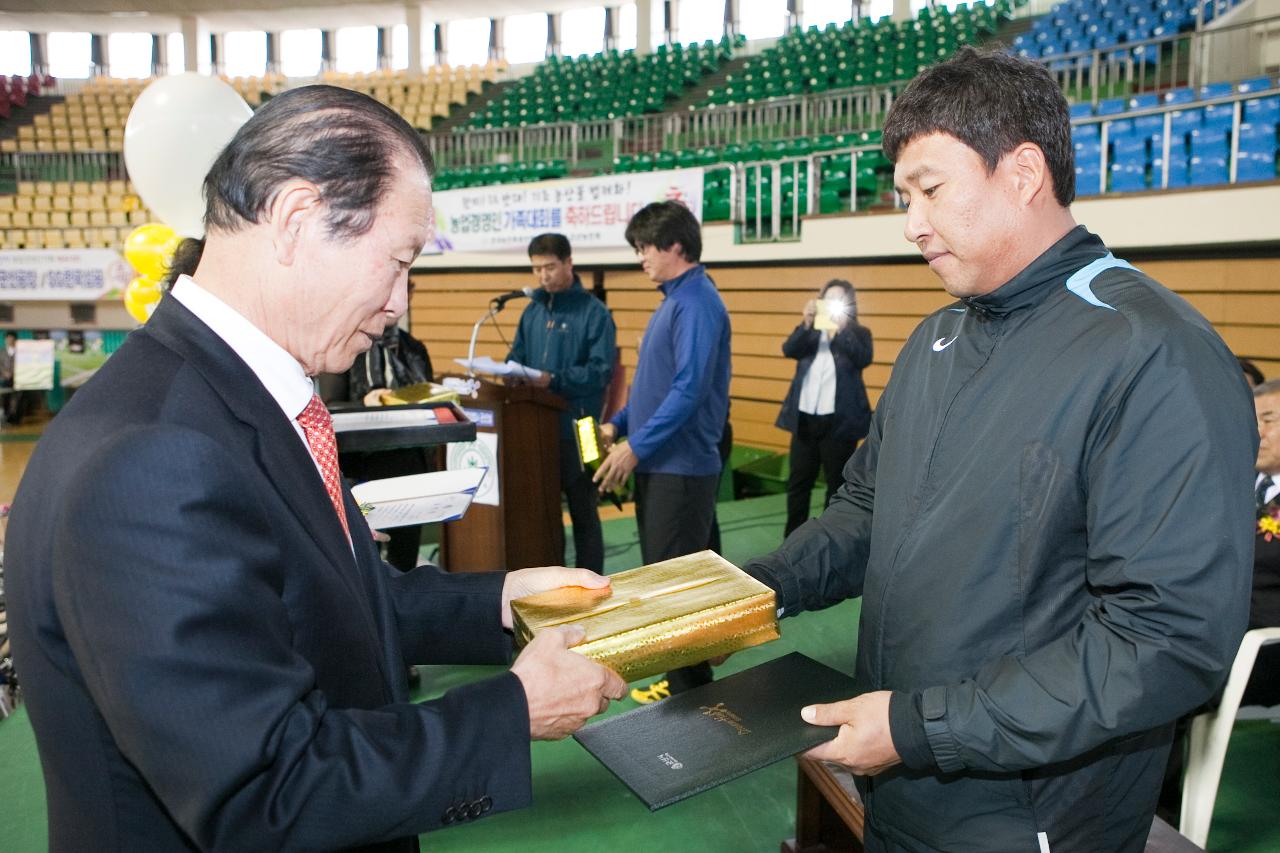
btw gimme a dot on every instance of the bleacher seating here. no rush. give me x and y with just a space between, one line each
605 85
423 99
69 214
1199 145
858 54
1109 25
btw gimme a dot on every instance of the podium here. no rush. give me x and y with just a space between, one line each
526 527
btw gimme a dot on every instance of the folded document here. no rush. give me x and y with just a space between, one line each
418 498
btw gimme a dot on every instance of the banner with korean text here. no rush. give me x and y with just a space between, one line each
591 212
72 275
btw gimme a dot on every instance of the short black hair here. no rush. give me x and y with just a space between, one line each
992 102
662 224
185 260
550 244
1251 370
342 141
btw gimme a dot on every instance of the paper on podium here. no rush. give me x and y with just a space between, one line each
383 419
418 498
485 364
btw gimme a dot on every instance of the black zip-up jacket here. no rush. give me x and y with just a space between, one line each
571 334
1050 525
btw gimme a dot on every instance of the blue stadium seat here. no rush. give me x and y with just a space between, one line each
1088 180
1257 84
1262 109
1216 90
1129 172
1179 96
1110 107
1219 115
1255 166
1208 170
1081 110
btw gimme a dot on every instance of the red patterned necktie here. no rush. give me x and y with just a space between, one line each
318 427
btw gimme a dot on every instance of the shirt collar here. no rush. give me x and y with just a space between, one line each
668 286
279 372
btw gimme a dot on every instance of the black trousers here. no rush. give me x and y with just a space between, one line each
812 444
584 509
674 515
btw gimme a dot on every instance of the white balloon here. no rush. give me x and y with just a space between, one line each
175 131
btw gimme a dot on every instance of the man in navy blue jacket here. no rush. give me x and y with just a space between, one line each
679 400
568 335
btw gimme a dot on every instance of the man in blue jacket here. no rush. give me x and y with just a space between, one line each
568 335
1050 523
679 400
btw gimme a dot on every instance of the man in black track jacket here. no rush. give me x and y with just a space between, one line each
1050 523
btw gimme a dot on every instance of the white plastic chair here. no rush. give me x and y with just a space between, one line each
1210 733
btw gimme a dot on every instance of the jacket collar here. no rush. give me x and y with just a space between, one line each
1076 249
575 291
669 287
279 450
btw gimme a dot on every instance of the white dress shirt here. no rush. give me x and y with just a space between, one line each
1272 490
818 392
281 374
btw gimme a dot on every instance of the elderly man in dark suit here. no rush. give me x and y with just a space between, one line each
212 652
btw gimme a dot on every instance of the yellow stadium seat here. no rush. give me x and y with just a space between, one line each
99 218
43 202
116 187
59 219
80 219
118 218
80 188
26 134
139 216
23 202
9 146
6 219
39 219
62 202
6 203
62 188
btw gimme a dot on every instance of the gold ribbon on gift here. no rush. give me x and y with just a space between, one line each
659 617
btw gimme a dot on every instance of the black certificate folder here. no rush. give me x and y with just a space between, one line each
702 738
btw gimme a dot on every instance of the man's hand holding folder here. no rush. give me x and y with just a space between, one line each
864 743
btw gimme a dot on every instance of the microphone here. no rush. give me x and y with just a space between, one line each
499 302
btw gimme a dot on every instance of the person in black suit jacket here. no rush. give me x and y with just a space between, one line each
1264 601
213 655
826 410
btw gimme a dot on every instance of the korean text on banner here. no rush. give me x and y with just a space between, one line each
591 212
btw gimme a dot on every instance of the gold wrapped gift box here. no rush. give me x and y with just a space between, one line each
658 617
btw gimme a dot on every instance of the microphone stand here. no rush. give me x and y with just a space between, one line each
494 308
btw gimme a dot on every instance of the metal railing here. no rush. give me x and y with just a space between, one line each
837 111
766 209
1167 113
82 166
1228 52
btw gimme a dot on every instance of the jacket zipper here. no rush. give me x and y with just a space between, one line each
915 521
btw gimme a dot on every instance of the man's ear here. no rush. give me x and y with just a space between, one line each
1030 171
297 210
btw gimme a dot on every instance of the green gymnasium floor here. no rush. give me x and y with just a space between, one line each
580 808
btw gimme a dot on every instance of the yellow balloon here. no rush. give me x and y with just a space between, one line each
149 247
141 297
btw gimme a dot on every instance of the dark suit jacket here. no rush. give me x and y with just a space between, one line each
206 663
851 350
